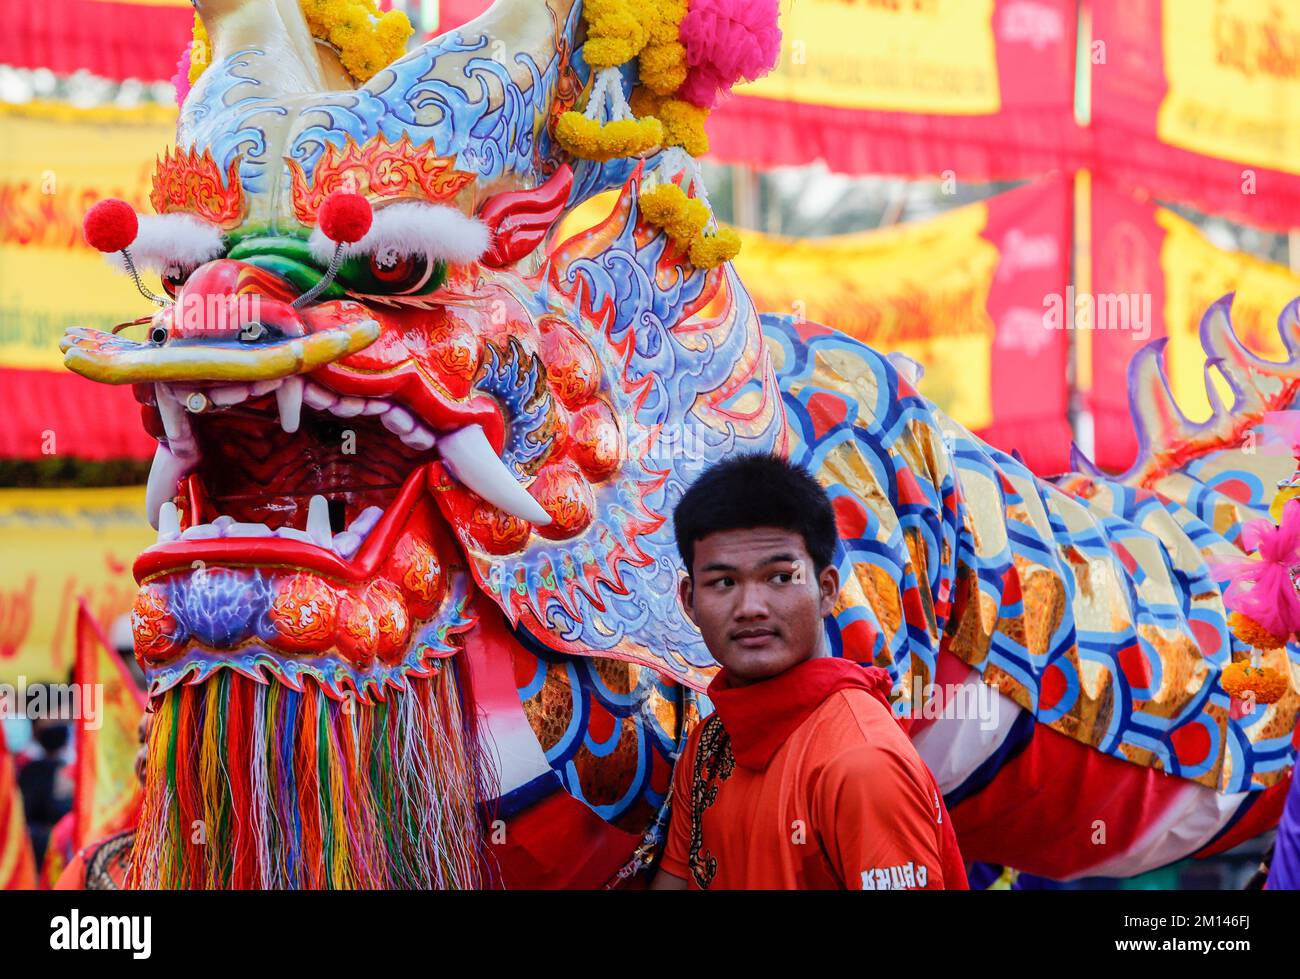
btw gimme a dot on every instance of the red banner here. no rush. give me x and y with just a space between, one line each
981 88
57 413
1195 100
967 294
453 13
1031 229
123 39
58 160
1154 275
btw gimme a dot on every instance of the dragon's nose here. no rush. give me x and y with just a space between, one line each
228 299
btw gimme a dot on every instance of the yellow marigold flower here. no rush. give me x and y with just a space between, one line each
659 204
709 251
349 20
314 11
686 226
644 102
394 28
667 21
588 139
608 52
201 53
630 137
663 67
681 217
684 126
1252 633
577 134
1266 683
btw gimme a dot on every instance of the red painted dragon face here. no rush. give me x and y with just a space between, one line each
459 409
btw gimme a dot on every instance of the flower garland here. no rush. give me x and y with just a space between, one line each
366 39
1262 601
687 55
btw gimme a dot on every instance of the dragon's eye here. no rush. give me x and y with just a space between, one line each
393 274
173 278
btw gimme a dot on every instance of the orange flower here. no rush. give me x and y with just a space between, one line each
1265 683
1252 633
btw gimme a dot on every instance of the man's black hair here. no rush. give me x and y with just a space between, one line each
756 490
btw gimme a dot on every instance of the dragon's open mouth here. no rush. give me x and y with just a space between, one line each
252 482
289 473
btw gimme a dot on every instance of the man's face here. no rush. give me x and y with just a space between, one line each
758 601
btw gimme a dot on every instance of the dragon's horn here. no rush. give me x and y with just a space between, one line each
525 27
290 61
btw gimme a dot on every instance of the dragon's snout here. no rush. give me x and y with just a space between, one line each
230 322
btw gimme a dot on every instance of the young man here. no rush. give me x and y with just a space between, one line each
803 777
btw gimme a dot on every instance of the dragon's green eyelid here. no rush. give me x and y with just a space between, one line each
294 248
291 257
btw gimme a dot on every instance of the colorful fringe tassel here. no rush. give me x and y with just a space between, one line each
254 785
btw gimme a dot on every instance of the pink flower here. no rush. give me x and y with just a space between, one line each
182 77
1281 431
1261 586
727 41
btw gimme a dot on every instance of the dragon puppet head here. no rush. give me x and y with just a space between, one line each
363 430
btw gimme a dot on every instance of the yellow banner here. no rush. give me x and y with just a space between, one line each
57 162
17 862
107 790
1197 274
929 56
1233 69
921 290
57 546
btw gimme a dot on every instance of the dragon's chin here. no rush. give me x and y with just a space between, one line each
315 553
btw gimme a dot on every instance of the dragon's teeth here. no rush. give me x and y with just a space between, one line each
398 420
419 438
346 543
469 456
169 522
203 531
173 415
259 388
317 397
293 533
167 470
248 530
229 394
289 398
318 521
365 521
348 407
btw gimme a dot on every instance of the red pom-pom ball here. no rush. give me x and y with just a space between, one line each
110 225
344 218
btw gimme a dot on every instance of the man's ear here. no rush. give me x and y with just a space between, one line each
686 595
829 584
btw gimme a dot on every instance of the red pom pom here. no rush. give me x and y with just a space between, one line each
110 225
344 218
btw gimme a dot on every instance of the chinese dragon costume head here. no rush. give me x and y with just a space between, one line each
411 617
